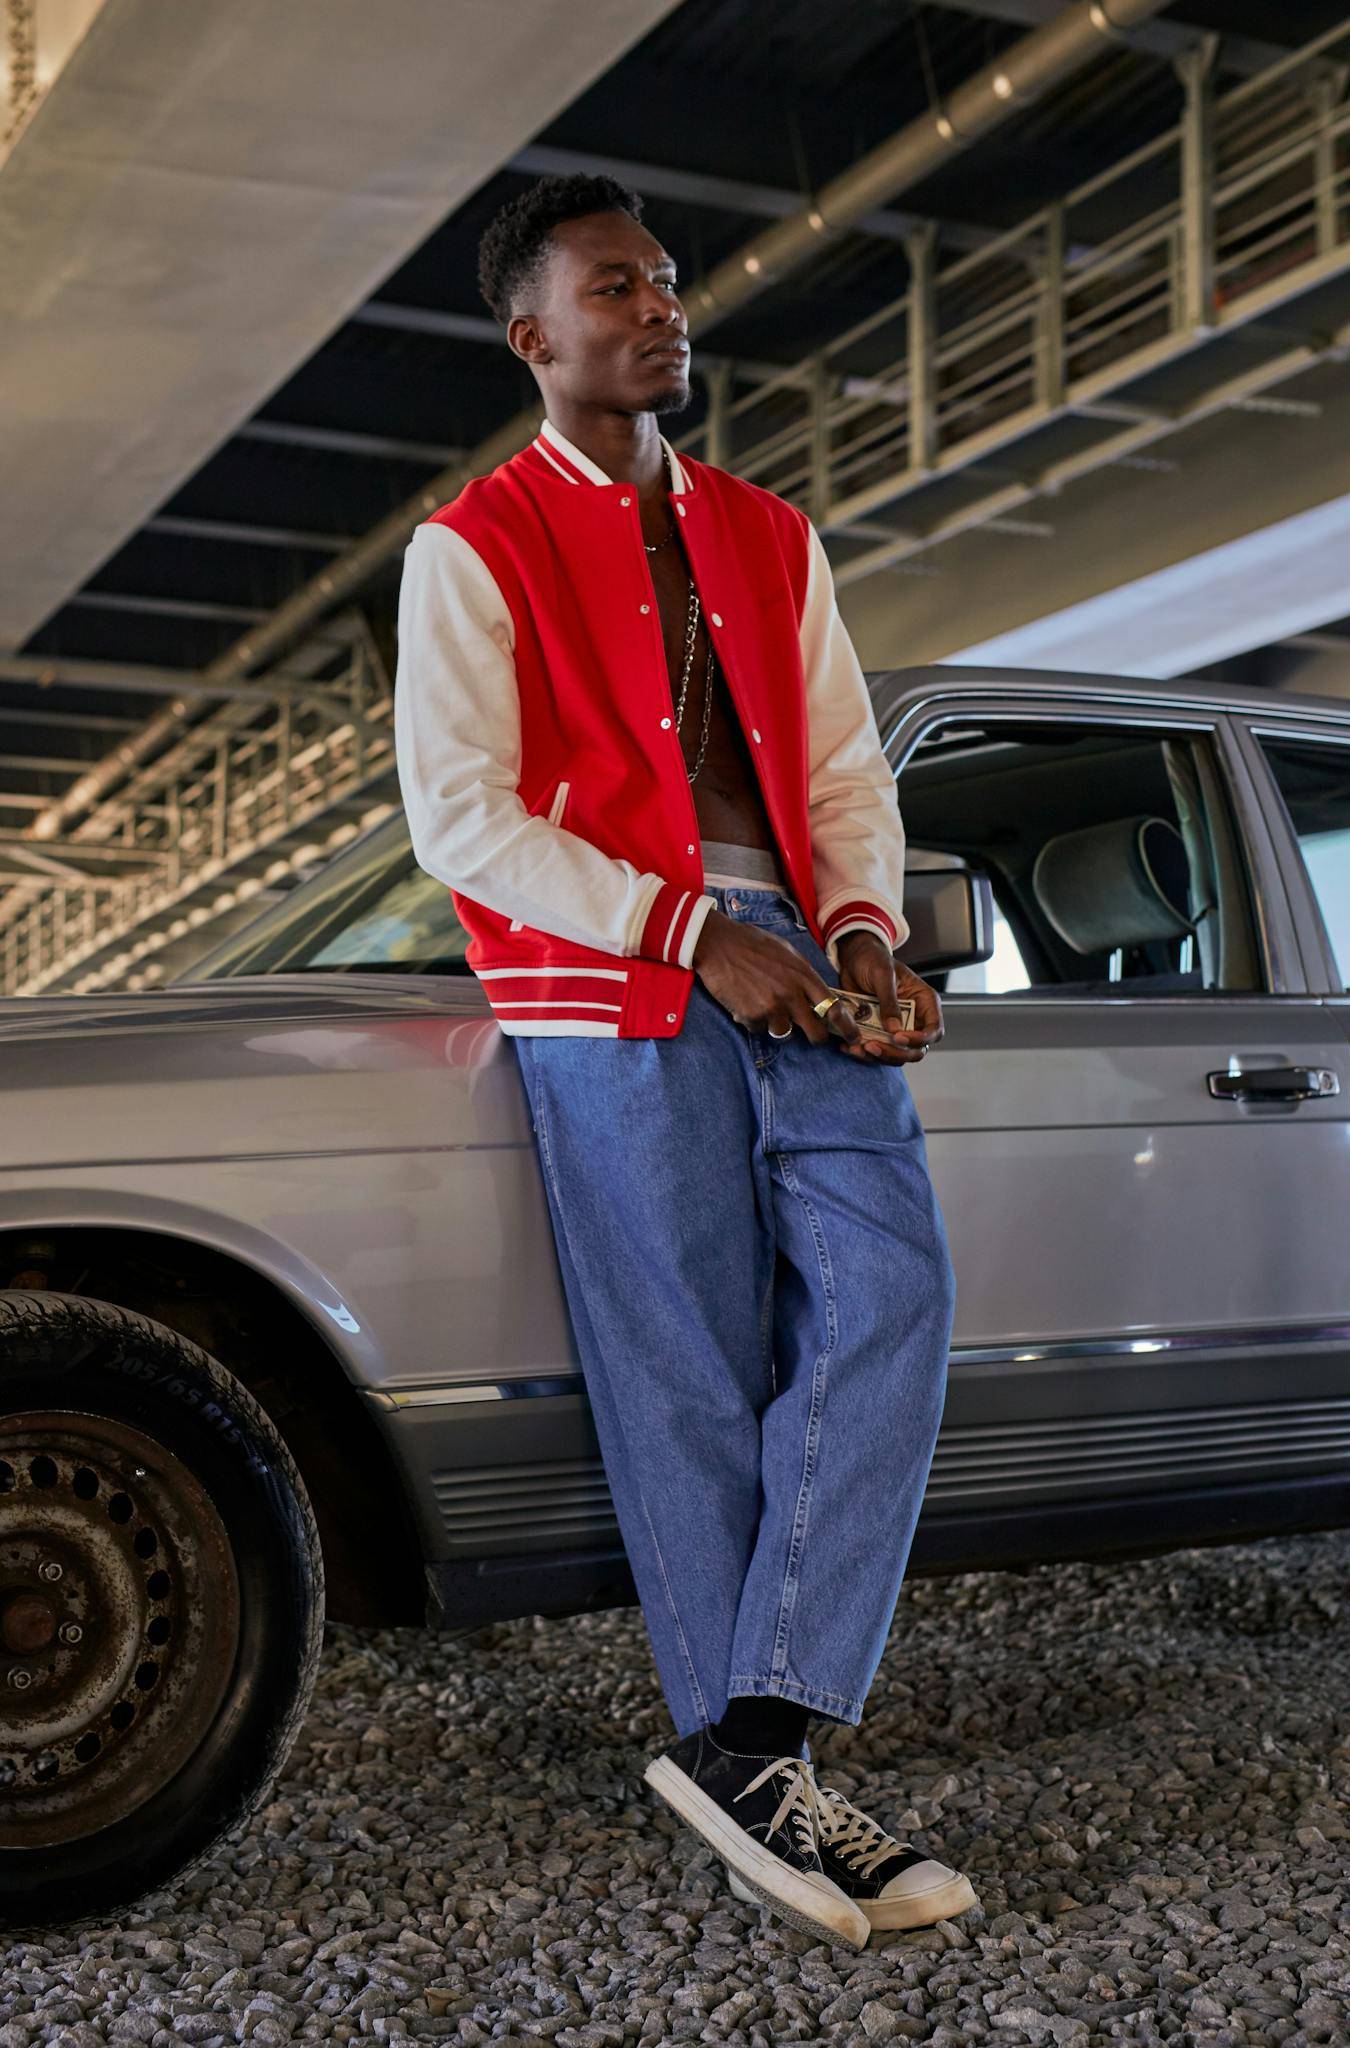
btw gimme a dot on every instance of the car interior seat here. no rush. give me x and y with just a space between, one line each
1119 884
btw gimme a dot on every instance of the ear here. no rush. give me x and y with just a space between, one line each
524 337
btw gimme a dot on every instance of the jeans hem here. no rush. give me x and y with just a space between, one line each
835 1706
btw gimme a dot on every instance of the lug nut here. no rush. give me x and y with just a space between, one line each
50 1570
20 1679
71 1632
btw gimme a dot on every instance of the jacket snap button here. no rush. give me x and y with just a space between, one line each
688 849
680 510
754 730
664 723
716 618
625 501
670 1016
644 607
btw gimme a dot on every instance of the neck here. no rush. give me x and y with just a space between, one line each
626 445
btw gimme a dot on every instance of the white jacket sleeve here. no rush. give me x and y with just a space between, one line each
857 836
458 751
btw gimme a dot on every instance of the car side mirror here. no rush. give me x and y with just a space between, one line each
950 908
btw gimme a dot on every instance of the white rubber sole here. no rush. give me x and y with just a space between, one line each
814 1905
921 1909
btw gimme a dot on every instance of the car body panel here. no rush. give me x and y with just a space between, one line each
367 1147
1153 1303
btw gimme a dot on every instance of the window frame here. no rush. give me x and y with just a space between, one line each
1305 907
911 719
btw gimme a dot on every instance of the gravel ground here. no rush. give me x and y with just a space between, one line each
1142 1767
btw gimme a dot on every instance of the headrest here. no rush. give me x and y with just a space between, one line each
1117 884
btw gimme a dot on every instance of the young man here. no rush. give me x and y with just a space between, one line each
635 742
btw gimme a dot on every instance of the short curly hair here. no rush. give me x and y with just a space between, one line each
514 245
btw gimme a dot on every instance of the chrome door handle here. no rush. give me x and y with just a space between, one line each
1273 1084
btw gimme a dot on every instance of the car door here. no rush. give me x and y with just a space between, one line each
1153 1303
1299 760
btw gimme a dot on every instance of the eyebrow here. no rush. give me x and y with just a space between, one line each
666 263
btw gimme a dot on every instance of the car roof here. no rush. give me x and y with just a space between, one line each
947 675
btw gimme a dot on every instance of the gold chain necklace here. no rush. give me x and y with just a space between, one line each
690 636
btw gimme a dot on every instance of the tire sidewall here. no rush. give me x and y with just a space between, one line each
68 1353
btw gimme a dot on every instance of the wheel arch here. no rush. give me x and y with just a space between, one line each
245 1318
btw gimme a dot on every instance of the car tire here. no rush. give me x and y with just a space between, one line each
161 1605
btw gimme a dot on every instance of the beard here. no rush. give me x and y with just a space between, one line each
675 400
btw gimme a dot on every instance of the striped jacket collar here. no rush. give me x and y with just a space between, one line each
570 463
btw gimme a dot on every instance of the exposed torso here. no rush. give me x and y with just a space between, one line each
727 800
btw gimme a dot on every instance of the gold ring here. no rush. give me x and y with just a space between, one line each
826 1003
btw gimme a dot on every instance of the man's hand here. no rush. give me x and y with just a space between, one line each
867 964
762 980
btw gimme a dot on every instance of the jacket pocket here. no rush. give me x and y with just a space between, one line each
555 817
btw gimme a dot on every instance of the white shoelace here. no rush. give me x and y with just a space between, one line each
853 1834
801 1800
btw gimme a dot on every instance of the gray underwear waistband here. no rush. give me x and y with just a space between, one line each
751 867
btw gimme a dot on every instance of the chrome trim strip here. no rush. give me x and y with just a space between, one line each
1183 1340
1140 694
1043 702
1294 731
1032 1352
439 1395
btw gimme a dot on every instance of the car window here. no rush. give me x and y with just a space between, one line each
1314 780
1112 852
369 910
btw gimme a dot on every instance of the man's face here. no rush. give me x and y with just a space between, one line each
608 302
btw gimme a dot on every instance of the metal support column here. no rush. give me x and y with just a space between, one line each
1325 92
717 381
820 490
923 425
1196 251
1050 313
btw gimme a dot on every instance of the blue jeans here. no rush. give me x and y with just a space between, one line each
759 1283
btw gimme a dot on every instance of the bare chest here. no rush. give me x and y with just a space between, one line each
725 789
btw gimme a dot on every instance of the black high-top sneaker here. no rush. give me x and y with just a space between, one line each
760 1815
895 1884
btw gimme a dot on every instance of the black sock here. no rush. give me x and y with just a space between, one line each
770 1726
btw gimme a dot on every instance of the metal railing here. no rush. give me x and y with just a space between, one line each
1245 202
232 811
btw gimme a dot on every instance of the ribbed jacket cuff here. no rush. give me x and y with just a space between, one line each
673 924
698 917
860 916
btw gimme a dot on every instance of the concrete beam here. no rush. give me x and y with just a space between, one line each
703 188
203 195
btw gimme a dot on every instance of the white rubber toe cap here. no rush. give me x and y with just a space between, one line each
918 1879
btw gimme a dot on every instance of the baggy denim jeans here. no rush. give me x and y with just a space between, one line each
760 1287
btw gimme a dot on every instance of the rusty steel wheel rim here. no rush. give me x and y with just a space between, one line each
119 1623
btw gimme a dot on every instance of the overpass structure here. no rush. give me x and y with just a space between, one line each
1122 337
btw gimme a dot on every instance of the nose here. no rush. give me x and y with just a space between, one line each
662 309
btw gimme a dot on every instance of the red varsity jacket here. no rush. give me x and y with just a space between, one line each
537 754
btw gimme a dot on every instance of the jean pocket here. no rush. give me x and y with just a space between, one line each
784 921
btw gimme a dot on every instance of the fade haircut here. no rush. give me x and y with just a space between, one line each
514 247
